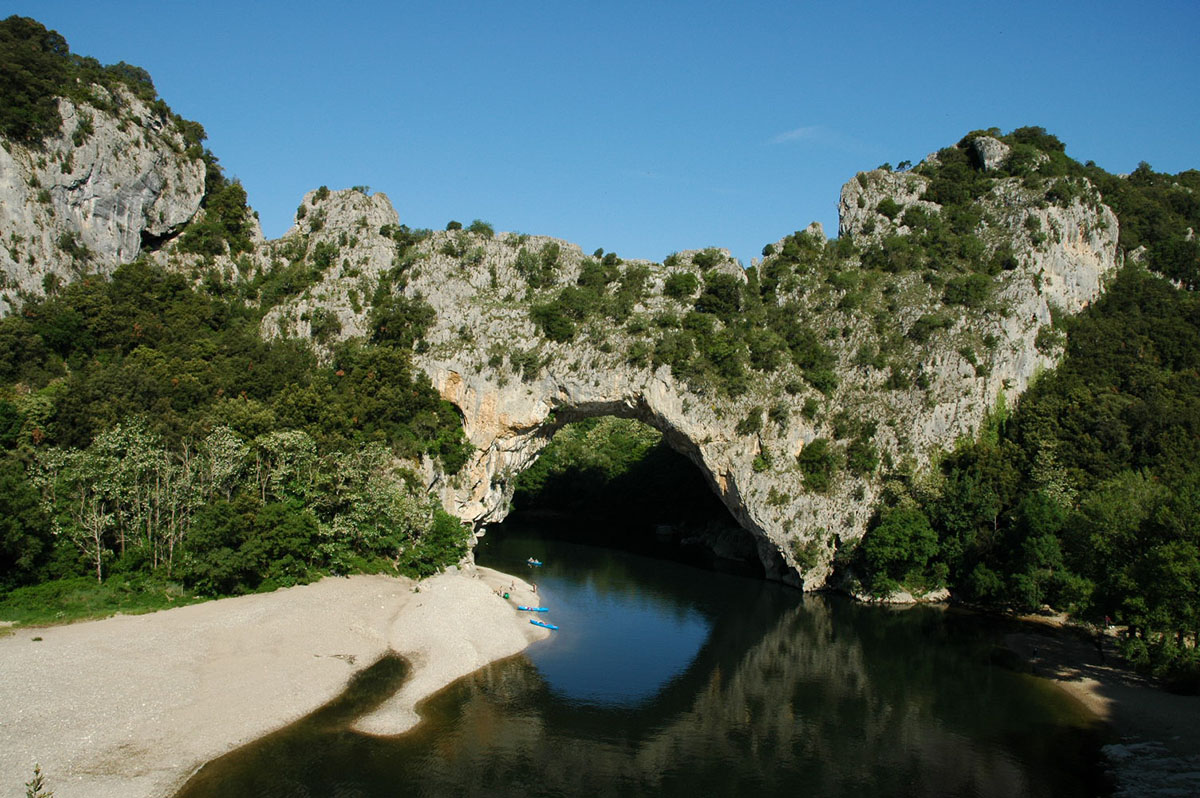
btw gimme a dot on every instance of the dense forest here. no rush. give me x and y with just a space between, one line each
149 432
154 448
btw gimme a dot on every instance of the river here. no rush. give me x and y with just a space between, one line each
665 679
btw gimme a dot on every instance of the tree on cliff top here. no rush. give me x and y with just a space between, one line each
33 70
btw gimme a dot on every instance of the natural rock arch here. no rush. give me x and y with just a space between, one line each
510 376
510 381
510 441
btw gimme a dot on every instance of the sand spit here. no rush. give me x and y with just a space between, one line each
131 706
1159 749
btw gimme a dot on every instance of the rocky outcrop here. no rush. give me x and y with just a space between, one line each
873 203
341 230
990 153
91 196
514 387
911 368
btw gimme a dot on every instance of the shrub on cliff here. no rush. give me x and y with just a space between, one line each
722 297
226 224
969 290
819 463
680 285
400 321
888 207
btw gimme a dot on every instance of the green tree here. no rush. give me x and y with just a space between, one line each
899 551
34 65
889 207
480 227
722 296
969 290
212 562
225 226
400 321
818 462
680 285
25 532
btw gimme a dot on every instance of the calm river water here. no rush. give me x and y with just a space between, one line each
669 680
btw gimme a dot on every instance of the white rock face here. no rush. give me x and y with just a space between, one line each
514 387
990 152
69 208
858 207
349 222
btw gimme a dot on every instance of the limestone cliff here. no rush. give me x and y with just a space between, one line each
91 196
793 386
918 360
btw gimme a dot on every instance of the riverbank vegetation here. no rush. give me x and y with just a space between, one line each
151 436
1086 497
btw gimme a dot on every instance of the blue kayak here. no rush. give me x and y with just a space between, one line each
533 609
542 624
533 563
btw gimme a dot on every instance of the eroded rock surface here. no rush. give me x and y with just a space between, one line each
514 387
915 359
90 197
991 153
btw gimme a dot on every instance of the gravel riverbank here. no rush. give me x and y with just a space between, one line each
1158 750
131 706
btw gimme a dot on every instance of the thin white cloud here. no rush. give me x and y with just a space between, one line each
797 134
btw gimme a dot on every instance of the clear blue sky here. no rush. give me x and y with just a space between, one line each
641 127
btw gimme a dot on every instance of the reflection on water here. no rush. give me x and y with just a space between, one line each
613 650
666 680
627 624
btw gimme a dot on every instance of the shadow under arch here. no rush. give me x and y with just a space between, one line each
712 518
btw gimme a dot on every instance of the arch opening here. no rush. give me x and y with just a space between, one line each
617 480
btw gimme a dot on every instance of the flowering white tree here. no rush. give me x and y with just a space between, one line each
223 460
78 495
285 465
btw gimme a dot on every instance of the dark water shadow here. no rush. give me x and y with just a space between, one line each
788 694
283 762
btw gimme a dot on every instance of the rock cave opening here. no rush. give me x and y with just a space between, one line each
619 482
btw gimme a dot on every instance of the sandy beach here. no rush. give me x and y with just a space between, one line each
131 706
1158 747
